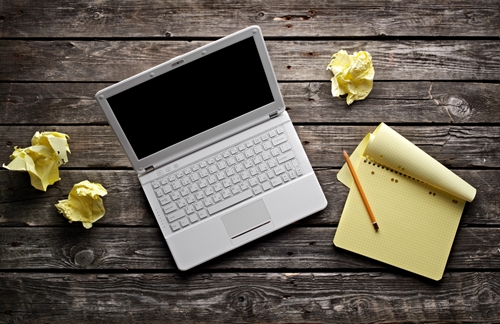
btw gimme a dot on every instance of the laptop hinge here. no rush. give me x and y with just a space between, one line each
150 168
273 114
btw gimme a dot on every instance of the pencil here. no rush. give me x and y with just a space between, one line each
358 184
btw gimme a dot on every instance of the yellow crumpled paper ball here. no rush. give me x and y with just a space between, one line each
352 75
84 203
42 159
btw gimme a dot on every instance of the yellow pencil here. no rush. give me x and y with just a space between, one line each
358 184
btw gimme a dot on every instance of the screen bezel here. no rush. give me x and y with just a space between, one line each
211 135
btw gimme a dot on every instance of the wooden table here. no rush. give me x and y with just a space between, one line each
437 66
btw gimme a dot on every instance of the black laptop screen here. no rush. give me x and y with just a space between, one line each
192 98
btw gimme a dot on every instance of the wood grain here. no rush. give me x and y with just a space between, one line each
218 18
249 297
453 146
436 82
144 249
306 102
111 61
126 205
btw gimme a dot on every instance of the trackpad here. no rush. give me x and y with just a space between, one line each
246 220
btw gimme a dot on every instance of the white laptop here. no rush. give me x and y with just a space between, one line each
214 149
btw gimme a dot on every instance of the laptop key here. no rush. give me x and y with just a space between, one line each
167 188
176 215
193 218
244 185
181 202
276 181
189 209
203 183
165 200
253 181
203 173
198 205
235 190
286 157
285 147
190 199
230 202
175 195
279 169
202 214
175 226
199 195
184 222
230 171
176 184
222 165
226 193
217 197
278 140
184 191
257 190
169 208
207 201
267 145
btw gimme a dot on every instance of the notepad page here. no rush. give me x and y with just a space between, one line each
389 148
417 223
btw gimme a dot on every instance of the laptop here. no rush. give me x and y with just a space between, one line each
214 149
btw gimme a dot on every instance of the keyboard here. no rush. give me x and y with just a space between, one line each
227 178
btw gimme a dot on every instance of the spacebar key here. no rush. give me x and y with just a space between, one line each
230 201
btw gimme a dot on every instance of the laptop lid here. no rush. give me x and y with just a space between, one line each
193 100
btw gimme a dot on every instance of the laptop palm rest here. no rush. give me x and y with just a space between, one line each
247 221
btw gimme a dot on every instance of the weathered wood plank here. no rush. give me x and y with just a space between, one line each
50 103
109 61
126 205
397 102
22 205
199 19
337 297
298 248
454 146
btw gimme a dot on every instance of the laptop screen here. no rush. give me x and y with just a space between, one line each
192 98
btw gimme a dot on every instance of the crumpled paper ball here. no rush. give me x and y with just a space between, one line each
84 203
42 159
352 75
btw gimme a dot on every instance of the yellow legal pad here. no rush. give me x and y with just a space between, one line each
416 200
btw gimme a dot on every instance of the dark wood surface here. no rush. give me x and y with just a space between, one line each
437 67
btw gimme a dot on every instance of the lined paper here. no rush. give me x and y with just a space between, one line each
417 202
